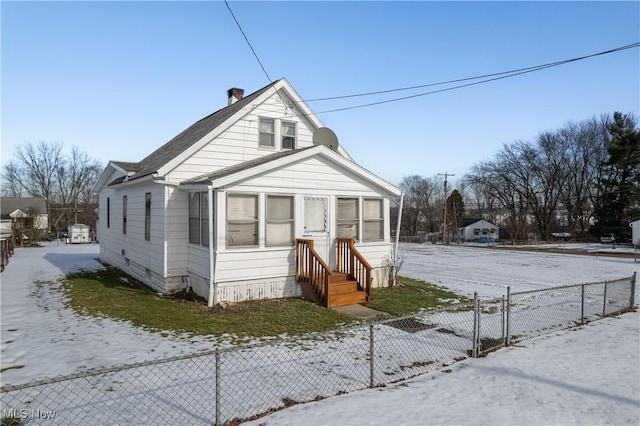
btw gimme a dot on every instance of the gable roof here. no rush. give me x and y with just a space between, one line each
470 221
248 169
192 134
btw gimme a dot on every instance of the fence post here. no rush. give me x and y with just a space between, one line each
604 301
217 387
632 299
502 319
582 305
371 365
508 331
474 347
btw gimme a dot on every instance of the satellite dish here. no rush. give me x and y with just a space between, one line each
324 136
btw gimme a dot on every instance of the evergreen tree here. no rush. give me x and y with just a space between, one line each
619 201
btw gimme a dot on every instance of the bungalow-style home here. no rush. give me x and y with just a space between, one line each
257 200
26 217
478 230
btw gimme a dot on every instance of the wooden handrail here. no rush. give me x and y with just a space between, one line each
351 261
312 269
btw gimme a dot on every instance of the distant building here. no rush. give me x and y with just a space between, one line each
478 230
27 216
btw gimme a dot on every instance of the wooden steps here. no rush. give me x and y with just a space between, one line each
344 291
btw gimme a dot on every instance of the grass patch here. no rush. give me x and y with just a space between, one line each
410 296
112 293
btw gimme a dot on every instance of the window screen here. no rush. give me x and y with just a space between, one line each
242 220
279 220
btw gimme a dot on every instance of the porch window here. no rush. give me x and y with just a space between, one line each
242 220
266 133
199 218
347 218
279 220
373 220
147 216
124 214
288 134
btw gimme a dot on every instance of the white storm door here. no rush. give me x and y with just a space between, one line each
316 226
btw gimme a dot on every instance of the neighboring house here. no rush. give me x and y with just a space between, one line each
478 230
27 216
635 233
248 203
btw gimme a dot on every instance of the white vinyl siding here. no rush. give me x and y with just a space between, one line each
241 142
279 221
242 220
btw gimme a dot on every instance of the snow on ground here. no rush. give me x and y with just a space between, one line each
41 338
466 270
586 376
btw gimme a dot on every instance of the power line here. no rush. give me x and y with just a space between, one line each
513 72
248 42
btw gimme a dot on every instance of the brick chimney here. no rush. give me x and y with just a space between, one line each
235 95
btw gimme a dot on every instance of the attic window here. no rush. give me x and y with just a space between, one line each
267 133
288 133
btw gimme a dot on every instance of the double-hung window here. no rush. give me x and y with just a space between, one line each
288 135
267 133
373 221
242 220
279 220
199 218
124 214
347 218
147 216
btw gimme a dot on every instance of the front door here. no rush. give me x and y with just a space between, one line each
316 226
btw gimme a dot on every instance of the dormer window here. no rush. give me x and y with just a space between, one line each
267 133
288 135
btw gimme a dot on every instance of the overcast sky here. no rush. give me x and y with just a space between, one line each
119 79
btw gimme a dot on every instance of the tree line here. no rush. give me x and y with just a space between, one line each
582 179
64 179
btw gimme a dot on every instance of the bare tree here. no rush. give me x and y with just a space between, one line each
65 181
422 204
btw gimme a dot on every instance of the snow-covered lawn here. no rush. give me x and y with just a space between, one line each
572 374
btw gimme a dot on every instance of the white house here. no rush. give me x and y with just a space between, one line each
478 230
25 216
256 200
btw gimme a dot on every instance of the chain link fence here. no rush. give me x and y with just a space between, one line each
226 386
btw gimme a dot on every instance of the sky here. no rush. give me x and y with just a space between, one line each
118 79
586 375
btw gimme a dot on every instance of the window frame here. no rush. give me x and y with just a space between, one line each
124 215
283 136
254 221
147 216
201 217
279 222
369 221
272 146
349 221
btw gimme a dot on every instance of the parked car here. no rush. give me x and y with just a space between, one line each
608 238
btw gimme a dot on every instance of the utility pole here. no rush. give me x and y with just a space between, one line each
445 228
